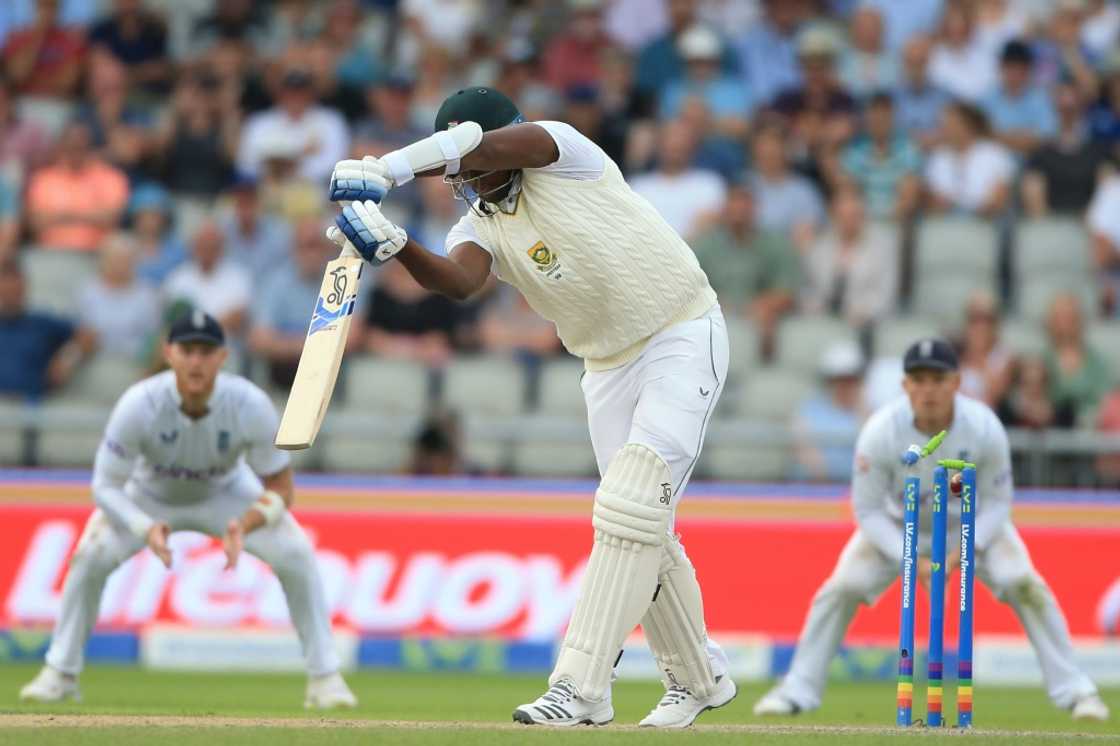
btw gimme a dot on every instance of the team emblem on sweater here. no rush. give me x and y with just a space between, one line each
546 261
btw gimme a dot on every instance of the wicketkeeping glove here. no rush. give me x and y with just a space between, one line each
371 233
367 179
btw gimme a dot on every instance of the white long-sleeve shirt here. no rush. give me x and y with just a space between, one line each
172 458
975 435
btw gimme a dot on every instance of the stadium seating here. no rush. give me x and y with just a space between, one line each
559 389
743 340
1104 336
1023 336
393 387
557 447
13 416
953 258
894 335
802 340
54 279
1037 293
773 394
1049 246
489 386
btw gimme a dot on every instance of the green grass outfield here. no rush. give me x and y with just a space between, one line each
125 706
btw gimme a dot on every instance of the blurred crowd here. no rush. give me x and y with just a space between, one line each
179 151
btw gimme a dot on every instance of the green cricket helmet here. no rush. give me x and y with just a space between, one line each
490 109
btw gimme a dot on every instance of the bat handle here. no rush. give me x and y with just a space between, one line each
349 252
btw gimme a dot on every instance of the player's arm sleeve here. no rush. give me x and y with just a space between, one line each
261 424
871 489
994 493
464 232
580 158
114 462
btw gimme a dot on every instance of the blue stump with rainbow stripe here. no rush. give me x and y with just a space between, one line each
935 664
968 581
910 495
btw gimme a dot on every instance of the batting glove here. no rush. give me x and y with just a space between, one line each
367 179
368 231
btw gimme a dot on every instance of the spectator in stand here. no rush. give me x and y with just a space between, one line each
820 114
1077 372
867 65
520 76
574 55
1021 114
755 272
723 95
158 250
23 143
283 191
120 131
243 20
45 59
660 61
786 202
969 172
138 39
356 42
254 239
10 213
1059 53
1104 116
211 281
197 139
123 311
74 203
437 77
584 110
884 163
41 351
985 362
960 63
686 197
1101 28
388 125
827 422
318 133
903 22
1027 402
510 325
438 213
919 102
1000 21
1108 424
1104 227
1061 175
852 270
437 449
405 321
768 51
288 293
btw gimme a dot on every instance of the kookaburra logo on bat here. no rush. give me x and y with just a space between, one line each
338 292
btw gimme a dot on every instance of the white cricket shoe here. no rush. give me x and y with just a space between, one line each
679 708
775 703
51 685
560 705
1090 708
328 692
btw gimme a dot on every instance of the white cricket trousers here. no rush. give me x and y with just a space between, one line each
664 400
863 573
103 546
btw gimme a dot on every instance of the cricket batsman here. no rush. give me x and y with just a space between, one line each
551 214
190 449
873 556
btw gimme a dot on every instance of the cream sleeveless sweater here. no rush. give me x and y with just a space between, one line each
597 260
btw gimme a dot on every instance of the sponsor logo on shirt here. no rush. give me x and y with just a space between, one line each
174 471
169 438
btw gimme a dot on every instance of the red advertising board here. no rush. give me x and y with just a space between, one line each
515 576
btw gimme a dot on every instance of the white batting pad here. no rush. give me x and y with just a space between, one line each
632 511
674 624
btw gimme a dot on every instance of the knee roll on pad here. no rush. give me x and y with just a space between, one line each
631 517
674 624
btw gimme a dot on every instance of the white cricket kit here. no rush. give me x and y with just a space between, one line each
628 297
157 464
871 560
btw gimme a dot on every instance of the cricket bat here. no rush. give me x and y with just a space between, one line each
322 352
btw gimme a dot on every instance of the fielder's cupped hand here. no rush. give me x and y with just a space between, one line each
367 179
233 541
374 236
157 542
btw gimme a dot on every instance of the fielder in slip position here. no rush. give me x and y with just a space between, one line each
190 449
551 214
873 556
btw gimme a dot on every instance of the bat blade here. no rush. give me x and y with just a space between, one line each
322 355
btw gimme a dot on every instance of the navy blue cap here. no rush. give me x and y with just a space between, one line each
930 354
196 326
